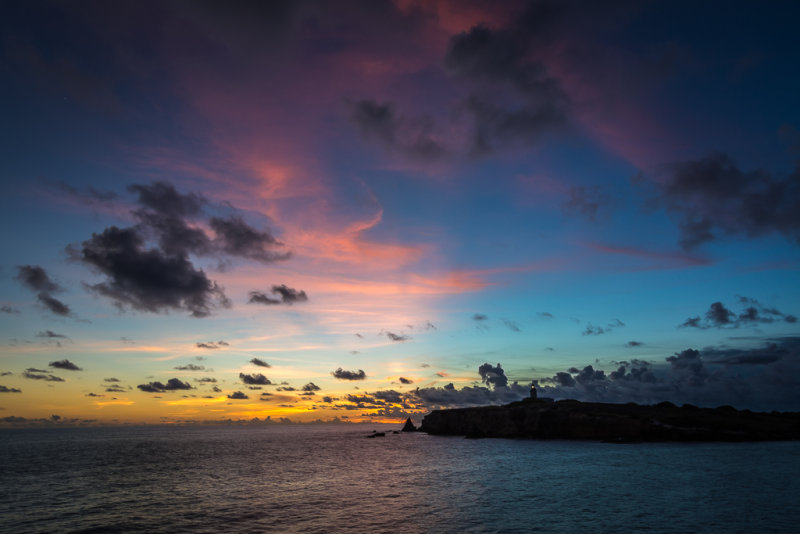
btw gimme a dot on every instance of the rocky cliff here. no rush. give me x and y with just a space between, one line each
571 419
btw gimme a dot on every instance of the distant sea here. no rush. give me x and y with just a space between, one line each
330 478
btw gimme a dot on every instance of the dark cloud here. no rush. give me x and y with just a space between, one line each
93 395
191 367
164 215
513 98
39 374
115 389
35 278
112 379
327 399
311 386
713 198
8 309
89 195
341 374
238 395
592 330
51 335
404 380
397 338
237 238
162 197
4 389
148 279
410 137
206 379
213 345
760 378
512 325
585 200
753 313
634 344
479 317
255 379
259 362
173 384
65 364
286 388
281 294
545 315
53 304
493 376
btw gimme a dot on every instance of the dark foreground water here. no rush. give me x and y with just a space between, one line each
331 479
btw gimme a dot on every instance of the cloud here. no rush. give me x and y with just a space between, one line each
115 389
238 395
148 279
164 216
592 330
713 198
213 345
634 344
206 379
544 315
761 378
410 137
255 379
512 325
493 376
4 389
162 197
173 384
39 374
54 305
754 313
51 335
311 386
479 317
259 362
341 374
191 367
8 309
281 295
237 238
585 201
397 338
112 379
65 364
513 99
404 380
35 278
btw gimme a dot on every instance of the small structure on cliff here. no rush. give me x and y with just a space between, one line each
533 391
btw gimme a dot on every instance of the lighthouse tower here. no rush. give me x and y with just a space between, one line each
533 391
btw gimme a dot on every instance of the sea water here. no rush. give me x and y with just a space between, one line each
331 478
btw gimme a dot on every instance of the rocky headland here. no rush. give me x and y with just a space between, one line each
570 419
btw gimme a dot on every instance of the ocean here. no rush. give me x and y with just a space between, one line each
330 478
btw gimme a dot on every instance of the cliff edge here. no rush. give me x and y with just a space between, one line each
570 419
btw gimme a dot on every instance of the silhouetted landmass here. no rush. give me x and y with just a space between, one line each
570 419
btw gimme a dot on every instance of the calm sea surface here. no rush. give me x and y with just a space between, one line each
329 478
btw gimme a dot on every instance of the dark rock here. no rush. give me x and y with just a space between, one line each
616 423
409 426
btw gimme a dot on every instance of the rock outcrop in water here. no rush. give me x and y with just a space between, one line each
409 426
570 419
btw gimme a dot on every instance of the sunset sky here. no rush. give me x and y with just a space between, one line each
367 210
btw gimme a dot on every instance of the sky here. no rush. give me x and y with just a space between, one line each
363 211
